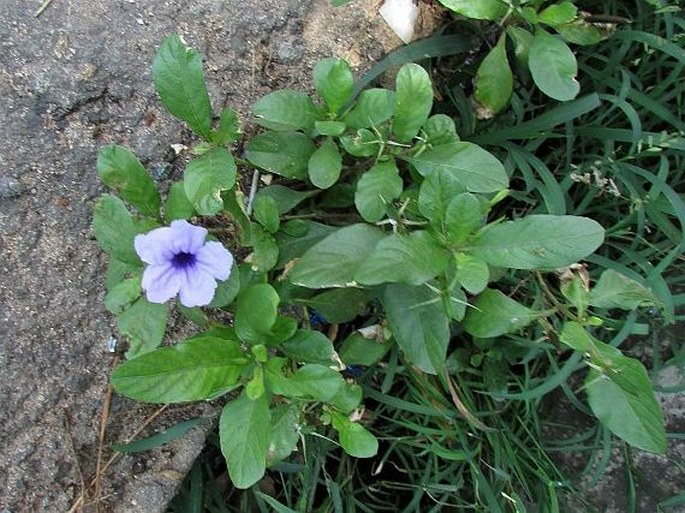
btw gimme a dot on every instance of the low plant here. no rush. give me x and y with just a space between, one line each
381 224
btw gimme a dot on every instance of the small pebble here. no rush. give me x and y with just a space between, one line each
10 188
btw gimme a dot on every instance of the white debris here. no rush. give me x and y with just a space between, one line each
401 16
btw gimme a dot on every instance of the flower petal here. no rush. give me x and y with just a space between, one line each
215 259
197 288
188 238
161 282
156 246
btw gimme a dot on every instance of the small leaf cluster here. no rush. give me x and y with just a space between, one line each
373 213
538 34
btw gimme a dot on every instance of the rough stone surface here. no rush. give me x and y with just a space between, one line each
72 80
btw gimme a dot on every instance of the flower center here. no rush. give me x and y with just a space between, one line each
183 260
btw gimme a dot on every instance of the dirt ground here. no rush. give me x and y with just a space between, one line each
72 79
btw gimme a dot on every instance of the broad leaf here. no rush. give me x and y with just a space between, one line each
266 213
325 165
286 199
354 438
266 252
475 168
206 177
348 398
436 192
338 305
558 14
305 234
373 107
177 72
309 346
478 9
245 431
334 82
472 274
580 32
333 262
122 171
227 290
440 129
191 371
311 381
228 130
177 205
284 153
114 229
285 432
413 259
364 143
553 67
376 188
494 81
285 110
123 294
332 128
462 217
419 324
359 350
538 242
256 312
413 101
613 290
494 314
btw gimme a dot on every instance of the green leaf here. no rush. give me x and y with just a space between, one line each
229 128
309 346
286 198
144 324
177 72
312 381
227 290
495 376
255 313
123 294
538 242
152 442
478 9
475 168
580 32
292 245
334 82
634 417
494 81
338 305
553 67
613 290
266 212
373 107
117 271
359 350
413 101
285 432
114 230
377 187
206 177
436 192
266 252
244 432
178 206
522 41
472 274
332 128
190 371
354 438
440 129
333 261
558 14
413 259
494 314
362 144
462 217
285 110
348 398
325 165
284 153
194 315
122 171
419 324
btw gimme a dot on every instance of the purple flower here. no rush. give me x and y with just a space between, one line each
181 262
